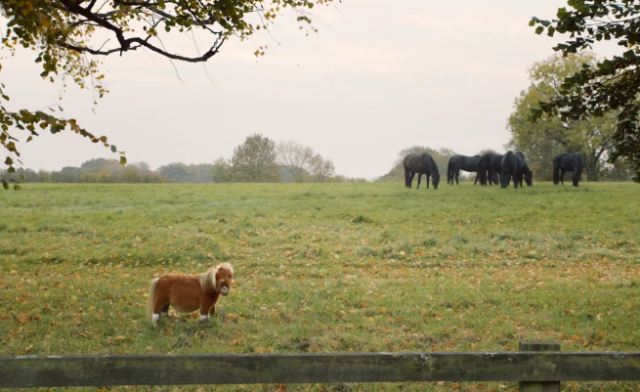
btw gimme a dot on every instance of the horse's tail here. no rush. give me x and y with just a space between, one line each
150 300
450 174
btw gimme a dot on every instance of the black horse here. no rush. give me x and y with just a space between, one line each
461 162
493 178
572 163
489 162
526 172
513 166
420 164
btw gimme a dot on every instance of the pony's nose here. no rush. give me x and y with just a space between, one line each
224 290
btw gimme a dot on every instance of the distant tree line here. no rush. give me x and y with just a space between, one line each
258 159
105 171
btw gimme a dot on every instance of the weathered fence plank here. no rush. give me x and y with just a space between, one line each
540 386
19 372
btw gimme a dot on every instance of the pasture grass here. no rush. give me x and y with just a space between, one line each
323 268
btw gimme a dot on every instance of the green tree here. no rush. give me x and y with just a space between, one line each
68 35
321 169
221 171
67 174
98 164
45 176
104 176
295 160
542 140
131 174
255 160
88 177
618 171
610 85
143 166
175 172
152 177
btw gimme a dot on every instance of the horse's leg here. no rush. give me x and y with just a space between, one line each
476 181
165 311
562 171
428 175
419 178
411 176
457 176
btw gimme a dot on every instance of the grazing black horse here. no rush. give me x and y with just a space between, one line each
513 166
489 162
526 172
461 162
420 164
572 163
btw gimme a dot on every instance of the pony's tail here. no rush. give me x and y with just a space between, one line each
150 300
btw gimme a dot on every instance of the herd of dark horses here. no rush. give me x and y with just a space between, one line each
490 168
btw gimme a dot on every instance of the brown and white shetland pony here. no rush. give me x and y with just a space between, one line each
188 293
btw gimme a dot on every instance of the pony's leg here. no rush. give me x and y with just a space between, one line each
457 175
207 308
204 314
161 306
476 181
562 171
428 176
419 178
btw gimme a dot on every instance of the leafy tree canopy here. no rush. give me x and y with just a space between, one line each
255 160
611 84
542 140
69 35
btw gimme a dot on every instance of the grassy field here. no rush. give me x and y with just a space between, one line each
324 268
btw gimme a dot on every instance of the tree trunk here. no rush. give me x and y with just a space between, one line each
593 165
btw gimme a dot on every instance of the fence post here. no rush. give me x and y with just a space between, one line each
544 386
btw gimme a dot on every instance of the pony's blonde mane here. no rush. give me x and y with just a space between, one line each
208 279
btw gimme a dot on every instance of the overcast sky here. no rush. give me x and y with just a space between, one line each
379 76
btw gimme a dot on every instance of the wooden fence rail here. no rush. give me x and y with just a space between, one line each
535 368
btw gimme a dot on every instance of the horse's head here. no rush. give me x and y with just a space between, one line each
528 177
436 180
224 278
